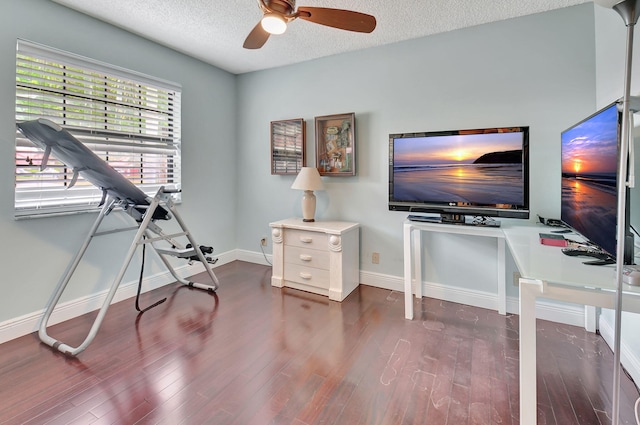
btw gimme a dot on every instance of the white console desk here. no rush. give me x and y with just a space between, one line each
413 257
547 273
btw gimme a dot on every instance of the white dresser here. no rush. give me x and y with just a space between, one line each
322 257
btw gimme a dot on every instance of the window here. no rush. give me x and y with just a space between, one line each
130 120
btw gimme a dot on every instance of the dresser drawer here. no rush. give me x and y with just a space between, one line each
307 257
313 240
307 275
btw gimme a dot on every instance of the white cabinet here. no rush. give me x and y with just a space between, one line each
322 257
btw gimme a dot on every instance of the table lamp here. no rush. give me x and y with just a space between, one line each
308 180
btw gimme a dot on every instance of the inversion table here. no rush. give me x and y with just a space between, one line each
117 192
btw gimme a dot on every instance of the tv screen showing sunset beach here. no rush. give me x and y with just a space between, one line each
589 167
467 168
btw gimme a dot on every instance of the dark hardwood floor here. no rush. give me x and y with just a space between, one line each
253 354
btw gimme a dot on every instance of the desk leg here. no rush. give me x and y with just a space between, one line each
529 290
590 318
408 259
417 262
502 278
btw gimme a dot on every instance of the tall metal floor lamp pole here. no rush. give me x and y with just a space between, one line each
628 10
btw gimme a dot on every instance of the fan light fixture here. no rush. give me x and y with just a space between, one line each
273 23
276 14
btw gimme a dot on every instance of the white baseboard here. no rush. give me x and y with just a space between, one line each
254 257
628 357
24 325
570 315
384 281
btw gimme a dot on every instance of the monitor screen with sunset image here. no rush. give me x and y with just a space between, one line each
480 172
589 168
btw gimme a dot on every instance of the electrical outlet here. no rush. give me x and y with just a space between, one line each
375 258
263 241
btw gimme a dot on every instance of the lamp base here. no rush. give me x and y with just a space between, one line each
308 220
308 206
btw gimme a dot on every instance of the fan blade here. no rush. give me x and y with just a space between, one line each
256 38
338 18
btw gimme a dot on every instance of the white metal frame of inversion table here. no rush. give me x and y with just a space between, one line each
147 233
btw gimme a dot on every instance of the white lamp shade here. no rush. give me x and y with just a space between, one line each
308 179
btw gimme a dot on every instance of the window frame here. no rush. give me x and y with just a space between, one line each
131 120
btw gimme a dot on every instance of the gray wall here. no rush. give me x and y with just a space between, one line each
537 70
34 253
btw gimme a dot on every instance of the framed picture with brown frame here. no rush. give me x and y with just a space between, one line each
287 146
336 144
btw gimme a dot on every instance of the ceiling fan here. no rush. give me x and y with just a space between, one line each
278 13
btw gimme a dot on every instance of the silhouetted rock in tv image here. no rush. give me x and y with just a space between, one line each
506 157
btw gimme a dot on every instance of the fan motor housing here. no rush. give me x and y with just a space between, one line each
285 7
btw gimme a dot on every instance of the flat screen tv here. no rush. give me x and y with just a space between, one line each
482 173
589 204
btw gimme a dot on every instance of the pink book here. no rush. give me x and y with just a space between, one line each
553 239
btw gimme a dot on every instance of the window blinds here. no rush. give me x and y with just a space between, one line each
130 120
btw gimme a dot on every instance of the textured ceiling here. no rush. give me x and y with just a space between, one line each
214 30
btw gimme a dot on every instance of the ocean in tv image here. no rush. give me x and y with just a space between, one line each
479 169
589 168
